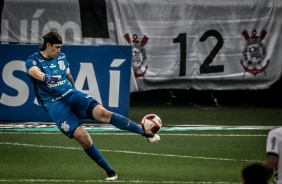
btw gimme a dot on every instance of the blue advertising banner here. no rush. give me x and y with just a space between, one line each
101 71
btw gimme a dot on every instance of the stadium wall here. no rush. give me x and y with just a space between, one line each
104 76
202 47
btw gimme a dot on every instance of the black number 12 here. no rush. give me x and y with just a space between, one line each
205 66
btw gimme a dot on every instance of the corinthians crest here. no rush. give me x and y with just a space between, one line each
254 53
138 54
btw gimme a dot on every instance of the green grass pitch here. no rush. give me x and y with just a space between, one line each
182 157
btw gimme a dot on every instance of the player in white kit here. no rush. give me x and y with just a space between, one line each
273 152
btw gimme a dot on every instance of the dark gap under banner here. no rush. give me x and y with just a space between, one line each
93 16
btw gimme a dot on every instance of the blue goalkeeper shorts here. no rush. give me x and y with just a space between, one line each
68 111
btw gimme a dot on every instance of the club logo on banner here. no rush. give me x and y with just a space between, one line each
254 53
139 56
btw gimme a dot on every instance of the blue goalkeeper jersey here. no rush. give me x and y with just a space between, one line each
47 94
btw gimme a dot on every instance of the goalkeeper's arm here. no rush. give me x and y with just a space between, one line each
36 73
69 76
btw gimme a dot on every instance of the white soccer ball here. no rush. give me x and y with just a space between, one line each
151 123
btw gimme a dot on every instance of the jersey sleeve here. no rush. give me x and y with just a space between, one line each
68 67
67 70
30 62
272 142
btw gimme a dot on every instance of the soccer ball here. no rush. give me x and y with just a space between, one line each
151 123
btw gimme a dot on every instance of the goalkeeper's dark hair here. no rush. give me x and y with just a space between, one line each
52 38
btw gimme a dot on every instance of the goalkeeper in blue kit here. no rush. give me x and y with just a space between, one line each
56 93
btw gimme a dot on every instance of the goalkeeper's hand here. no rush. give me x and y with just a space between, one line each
51 78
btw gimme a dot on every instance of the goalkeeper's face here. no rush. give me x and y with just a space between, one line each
52 50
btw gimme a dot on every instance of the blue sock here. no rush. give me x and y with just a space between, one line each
96 155
123 123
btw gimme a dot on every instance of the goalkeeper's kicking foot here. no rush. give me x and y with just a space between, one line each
112 176
153 138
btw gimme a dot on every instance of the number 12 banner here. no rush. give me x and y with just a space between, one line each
218 45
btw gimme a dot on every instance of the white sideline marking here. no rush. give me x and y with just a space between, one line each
162 134
128 152
117 181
